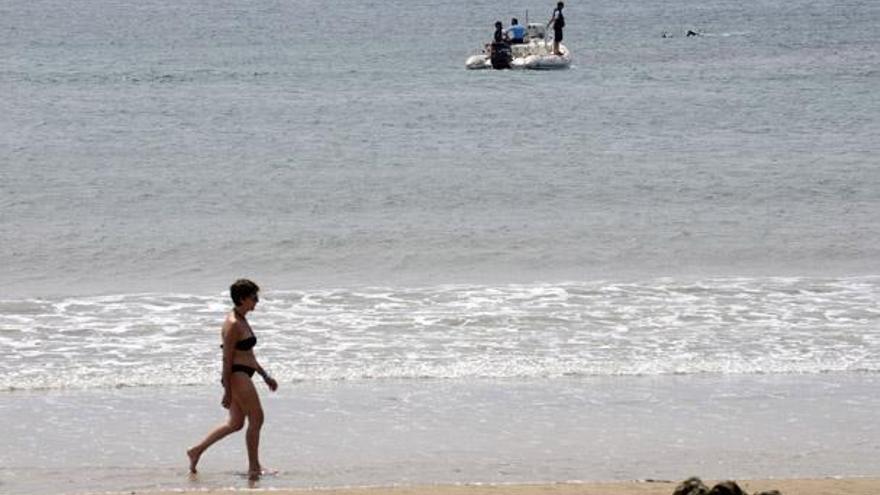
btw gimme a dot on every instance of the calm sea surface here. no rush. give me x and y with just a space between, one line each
676 231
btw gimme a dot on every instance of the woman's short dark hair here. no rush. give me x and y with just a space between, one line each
241 289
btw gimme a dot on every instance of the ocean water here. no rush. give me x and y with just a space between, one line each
669 247
167 147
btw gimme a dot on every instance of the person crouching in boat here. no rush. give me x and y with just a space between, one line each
497 37
499 51
515 33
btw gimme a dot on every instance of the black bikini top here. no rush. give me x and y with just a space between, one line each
246 344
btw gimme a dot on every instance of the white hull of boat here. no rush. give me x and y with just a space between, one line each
537 55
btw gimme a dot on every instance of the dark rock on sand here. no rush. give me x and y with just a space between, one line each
691 486
726 488
695 486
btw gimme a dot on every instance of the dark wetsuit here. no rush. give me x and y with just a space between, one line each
558 24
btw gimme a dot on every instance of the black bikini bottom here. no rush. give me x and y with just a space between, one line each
243 369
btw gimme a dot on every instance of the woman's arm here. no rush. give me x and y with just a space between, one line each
230 337
273 385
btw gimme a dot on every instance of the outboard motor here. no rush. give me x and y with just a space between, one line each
501 55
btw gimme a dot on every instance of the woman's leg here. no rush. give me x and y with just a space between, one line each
233 424
245 395
252 436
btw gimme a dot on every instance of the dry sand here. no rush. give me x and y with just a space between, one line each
847 486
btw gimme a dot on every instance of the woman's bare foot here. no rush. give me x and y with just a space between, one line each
193 455
254 474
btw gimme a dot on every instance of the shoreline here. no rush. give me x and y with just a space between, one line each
793 486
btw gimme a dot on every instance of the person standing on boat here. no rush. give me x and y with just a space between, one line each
558 22
515 33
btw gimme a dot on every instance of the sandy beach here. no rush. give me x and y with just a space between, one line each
829 486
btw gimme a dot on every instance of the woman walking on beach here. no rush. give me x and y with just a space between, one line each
239 365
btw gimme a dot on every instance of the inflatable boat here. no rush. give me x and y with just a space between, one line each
535 53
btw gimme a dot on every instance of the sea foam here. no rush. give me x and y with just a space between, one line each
656 327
